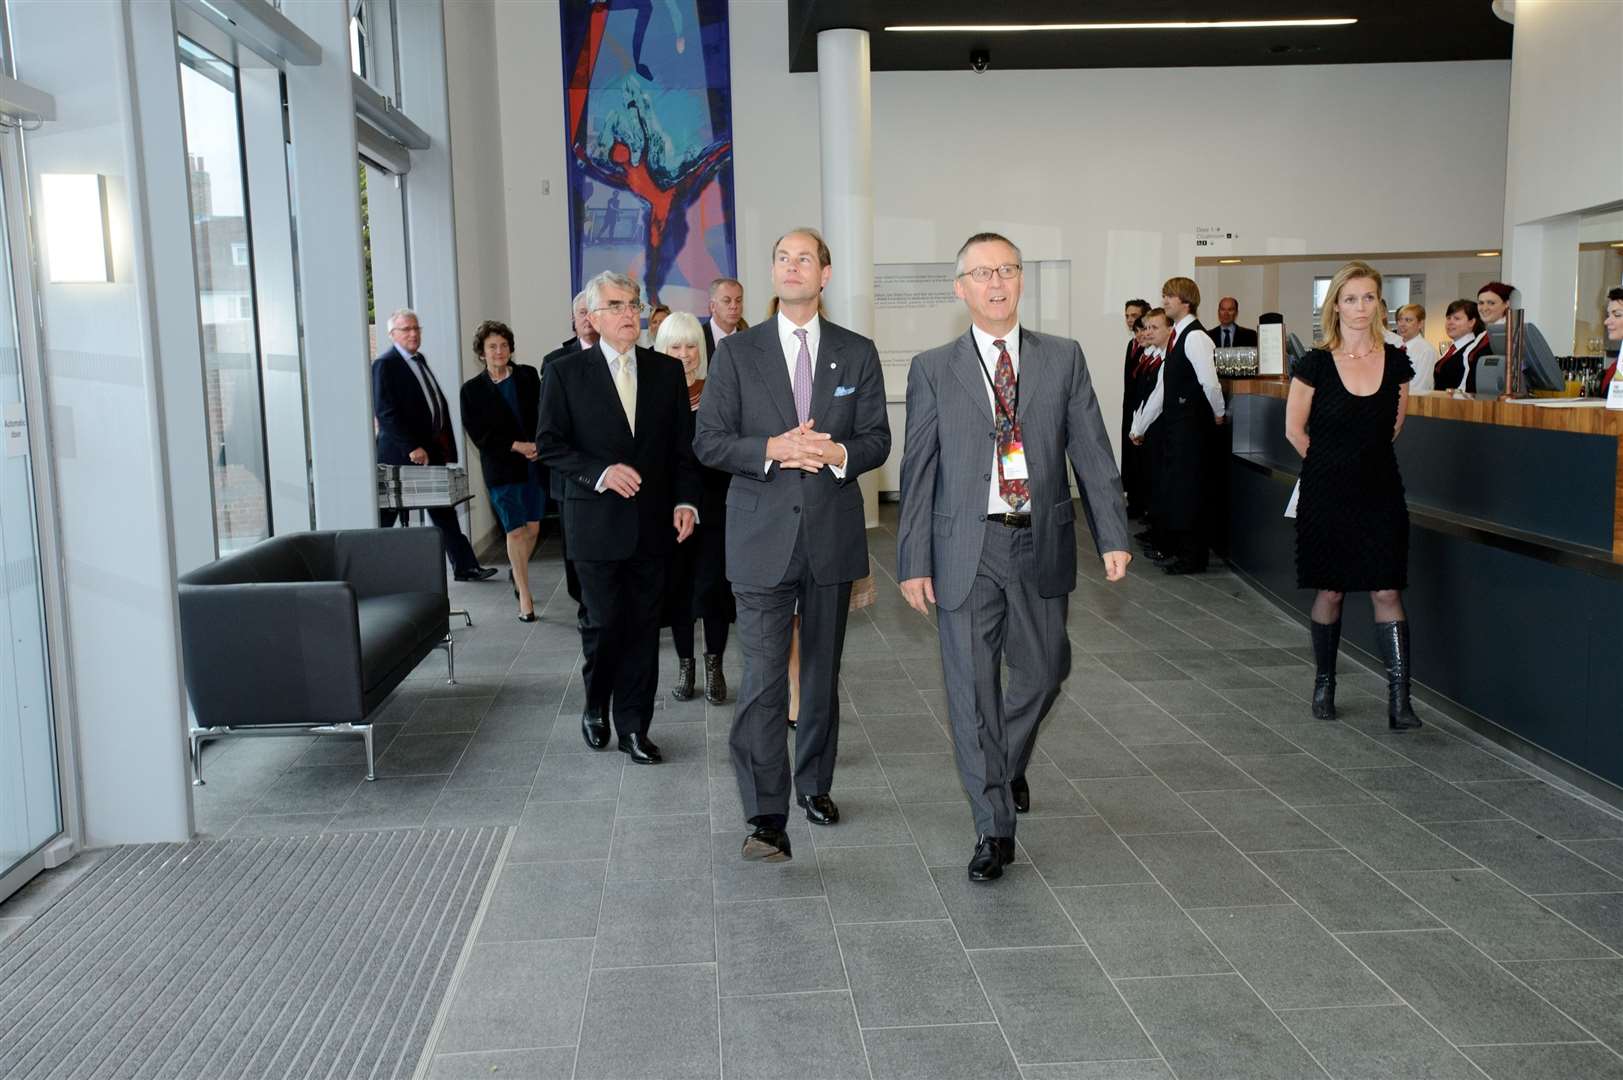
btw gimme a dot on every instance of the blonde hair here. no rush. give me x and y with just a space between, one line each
1418 310
1330 318
681 328
1184 289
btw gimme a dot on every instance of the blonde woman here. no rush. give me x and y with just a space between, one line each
696 584
1344 411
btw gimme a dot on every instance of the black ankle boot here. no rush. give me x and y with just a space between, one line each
683 690
715 683
1392 641
1326 644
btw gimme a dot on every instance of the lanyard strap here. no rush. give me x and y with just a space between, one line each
997 397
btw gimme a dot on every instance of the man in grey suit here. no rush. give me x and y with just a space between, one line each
795 409
988 530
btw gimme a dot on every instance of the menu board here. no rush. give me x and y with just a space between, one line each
1271 349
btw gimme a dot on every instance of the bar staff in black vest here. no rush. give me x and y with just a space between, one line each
1132 457
1468 343
1186 402
1157 331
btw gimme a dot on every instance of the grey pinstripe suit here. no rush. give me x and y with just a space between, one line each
998 588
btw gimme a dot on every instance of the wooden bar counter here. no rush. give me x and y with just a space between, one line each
1515 591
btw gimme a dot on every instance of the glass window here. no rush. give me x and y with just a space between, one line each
30 810
359 46
225 284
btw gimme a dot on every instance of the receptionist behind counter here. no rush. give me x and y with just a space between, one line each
1468 344
1614 332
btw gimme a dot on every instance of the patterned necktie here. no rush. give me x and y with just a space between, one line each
435 416
1014 492
803 379
628 391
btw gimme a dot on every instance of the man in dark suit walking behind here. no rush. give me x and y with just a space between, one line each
987 529
585 337
795 409
613 426
414 428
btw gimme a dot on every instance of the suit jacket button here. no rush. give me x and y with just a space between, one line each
988 476
991 434
797 509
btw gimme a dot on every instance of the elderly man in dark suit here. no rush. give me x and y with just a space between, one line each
585 334
414 428
987 529
614 421
795 409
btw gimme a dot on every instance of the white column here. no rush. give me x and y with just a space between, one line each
123 384
846 108
325 183
432 228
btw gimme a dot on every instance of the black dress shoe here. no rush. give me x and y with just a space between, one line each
483 573
1156 555
594 724
526 616
992 854
637 747
1022 794
767 845
820 809
1184 566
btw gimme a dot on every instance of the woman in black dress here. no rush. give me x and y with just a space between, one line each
696 584
499 407
1347 401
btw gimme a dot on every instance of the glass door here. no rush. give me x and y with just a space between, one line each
30 793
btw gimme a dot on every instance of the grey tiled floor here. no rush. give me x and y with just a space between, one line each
1210 884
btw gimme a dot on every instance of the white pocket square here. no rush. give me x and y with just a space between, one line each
841 391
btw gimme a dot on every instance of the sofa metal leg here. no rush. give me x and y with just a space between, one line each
371 769
450 659
467 617
197 737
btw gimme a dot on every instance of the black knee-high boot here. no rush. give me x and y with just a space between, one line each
1326 644
1392 640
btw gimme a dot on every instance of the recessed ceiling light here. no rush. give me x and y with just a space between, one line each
1616 243
1487 254
1226 262
1020 28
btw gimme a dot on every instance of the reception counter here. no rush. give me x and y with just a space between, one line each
1515 565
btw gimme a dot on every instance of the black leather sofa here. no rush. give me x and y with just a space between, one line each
310 632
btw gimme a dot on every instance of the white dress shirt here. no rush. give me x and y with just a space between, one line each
791 356
1142 421
717 333
614 367
417 373
995 503
1423 355
1462 348
1200 352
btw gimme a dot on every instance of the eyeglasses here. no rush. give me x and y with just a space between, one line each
983 274
621 307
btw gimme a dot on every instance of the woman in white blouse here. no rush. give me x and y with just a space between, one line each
1422 353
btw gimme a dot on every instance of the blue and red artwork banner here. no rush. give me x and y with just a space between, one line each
648 119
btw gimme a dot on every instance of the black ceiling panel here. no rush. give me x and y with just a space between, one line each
1387 31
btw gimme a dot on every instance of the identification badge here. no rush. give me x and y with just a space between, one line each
1014 462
